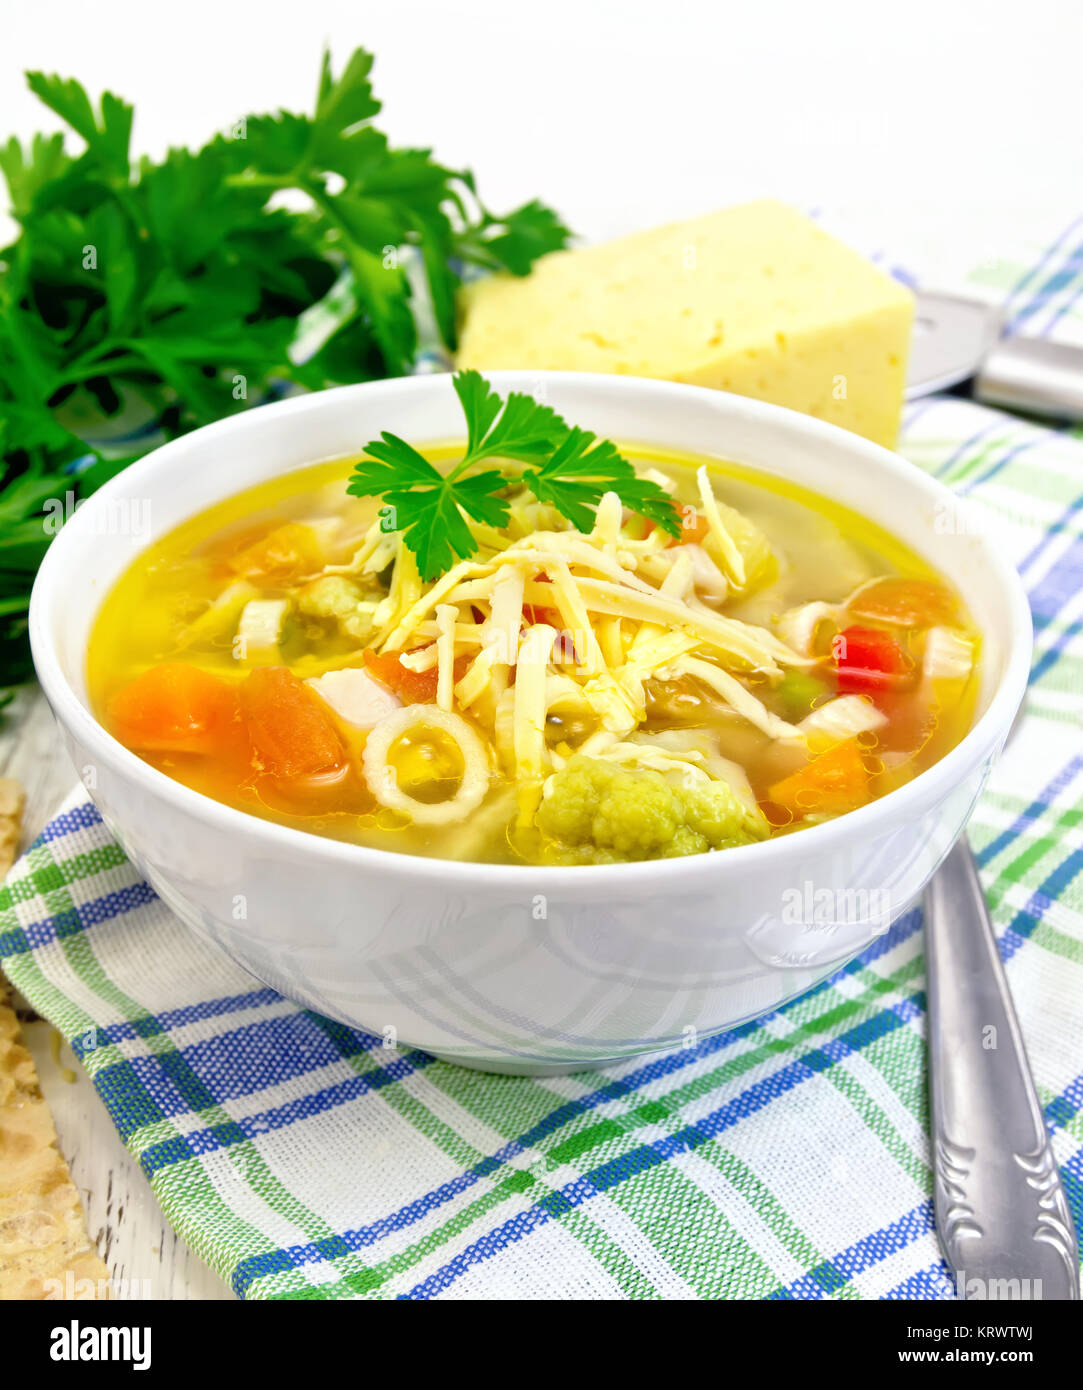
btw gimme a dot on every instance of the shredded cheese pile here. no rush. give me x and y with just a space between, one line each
548 621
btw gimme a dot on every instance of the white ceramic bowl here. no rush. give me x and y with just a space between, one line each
512 968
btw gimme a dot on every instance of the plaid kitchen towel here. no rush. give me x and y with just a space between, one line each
786 1159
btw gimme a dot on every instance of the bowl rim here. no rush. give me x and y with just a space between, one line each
924 791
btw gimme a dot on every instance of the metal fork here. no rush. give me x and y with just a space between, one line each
1001 1212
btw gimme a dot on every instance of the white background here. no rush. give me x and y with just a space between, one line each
930 125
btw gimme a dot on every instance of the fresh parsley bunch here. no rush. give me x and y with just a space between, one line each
565 466
178 289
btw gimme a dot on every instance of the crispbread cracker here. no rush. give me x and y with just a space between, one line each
42 1234
12 800
44 1247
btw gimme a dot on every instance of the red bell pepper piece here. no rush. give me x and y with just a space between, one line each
869 661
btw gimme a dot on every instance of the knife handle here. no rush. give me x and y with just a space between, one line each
1001 1212
1033 375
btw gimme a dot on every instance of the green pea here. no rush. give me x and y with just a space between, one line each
797 691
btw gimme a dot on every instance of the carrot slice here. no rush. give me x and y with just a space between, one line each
907 603
291 731
412 687
692 532
175 708
834 782
282 556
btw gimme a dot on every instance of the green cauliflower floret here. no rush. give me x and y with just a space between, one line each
336 598
595 812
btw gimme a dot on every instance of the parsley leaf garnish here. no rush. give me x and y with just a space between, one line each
582 469
570 468
519 428
425 505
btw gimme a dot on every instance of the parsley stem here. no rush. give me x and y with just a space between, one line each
463 464
248 179
100 364
325 203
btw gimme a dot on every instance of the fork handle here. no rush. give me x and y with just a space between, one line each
1001 1212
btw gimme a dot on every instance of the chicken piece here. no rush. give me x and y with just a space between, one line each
355 697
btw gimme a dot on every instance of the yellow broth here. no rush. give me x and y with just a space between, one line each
182 598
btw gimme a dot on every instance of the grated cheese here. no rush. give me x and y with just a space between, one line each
446 614
737 697
755 646
733 562
531 758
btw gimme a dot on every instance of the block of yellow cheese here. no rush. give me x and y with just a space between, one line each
755 299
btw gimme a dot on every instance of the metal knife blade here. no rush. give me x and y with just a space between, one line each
957 339
951 338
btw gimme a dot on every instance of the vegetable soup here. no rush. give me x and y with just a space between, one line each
562 686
